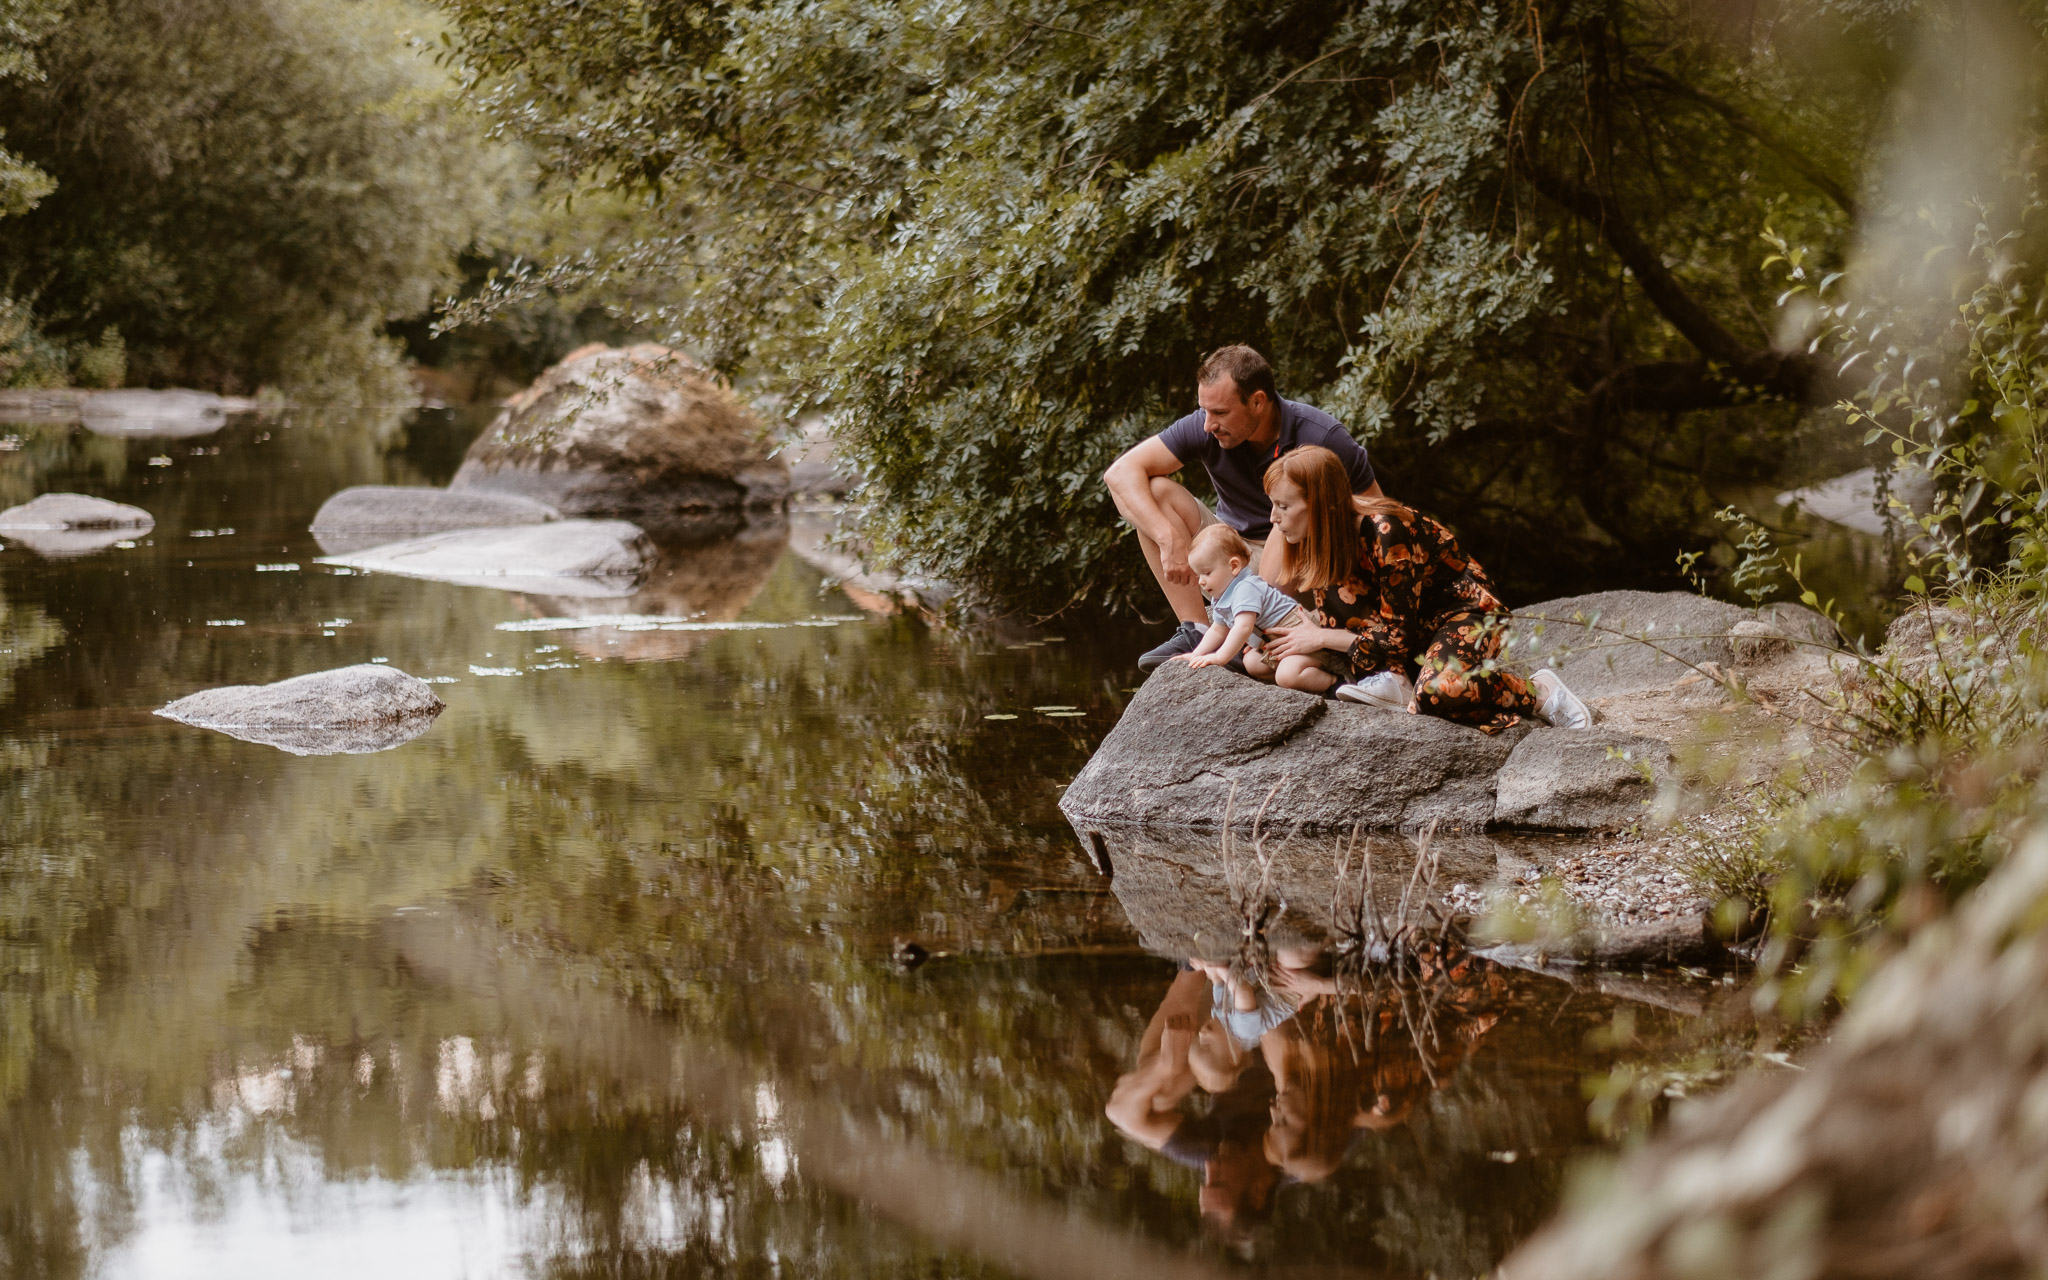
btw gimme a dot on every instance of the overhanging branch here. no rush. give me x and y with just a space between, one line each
1743 122
1658 284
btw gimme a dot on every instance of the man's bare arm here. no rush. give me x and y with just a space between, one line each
1130 484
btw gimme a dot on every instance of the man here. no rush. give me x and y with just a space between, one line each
1242 427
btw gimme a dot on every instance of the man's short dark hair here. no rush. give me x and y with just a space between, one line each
1246 368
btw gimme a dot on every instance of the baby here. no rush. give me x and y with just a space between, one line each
1243 607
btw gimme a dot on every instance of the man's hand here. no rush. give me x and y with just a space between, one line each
1173 558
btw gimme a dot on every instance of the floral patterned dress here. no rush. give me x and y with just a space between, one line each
1421 606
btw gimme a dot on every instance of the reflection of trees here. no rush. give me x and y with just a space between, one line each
731 842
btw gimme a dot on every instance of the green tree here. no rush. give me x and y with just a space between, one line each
246 190
1515 247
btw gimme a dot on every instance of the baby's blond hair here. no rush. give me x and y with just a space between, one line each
1223 540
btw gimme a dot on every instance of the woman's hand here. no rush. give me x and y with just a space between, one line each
1301 641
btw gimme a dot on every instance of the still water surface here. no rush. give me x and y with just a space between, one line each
597 976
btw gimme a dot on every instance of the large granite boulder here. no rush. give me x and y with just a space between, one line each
640 431
1190 735
349 710
72 524
1578 779
1621 642
370 515
575 558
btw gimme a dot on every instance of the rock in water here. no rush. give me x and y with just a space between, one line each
370 515
173 414
1190 734
72 524
350 710
579 558
640 431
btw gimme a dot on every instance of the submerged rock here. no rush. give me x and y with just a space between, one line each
577 558
370 515
640 431
57 525
172 414
349 710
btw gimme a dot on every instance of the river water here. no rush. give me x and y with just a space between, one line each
600 976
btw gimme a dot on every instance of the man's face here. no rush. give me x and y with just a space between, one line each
1230 420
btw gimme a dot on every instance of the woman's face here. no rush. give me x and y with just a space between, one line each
1290 510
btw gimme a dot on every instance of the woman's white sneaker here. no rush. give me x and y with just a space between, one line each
1388 690
1559 705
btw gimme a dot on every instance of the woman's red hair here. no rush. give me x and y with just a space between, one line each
1329 552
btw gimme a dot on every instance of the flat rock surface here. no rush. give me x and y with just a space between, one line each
349 710
1190 735
74 511
569 558
636 431
57 525
1620 642
371 515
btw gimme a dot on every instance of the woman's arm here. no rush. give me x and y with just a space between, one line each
1302 640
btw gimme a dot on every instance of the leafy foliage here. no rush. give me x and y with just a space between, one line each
246 190
1510 246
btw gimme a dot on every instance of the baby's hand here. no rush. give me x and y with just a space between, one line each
1206 659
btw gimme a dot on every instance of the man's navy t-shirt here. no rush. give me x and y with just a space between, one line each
1239 475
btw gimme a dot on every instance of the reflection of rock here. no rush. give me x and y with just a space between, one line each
1851 500
350 710
811 535
1175 886
584 559
626 432
1189 735
172 414
370 515
704 581
72 524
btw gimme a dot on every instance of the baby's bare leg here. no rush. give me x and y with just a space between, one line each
1256 666
1302 673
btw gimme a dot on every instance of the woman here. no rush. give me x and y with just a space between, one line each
1402 618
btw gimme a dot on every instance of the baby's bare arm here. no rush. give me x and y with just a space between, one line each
1210 639
1233 642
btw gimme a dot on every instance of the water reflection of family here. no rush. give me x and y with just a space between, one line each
1359 597
1297 1066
